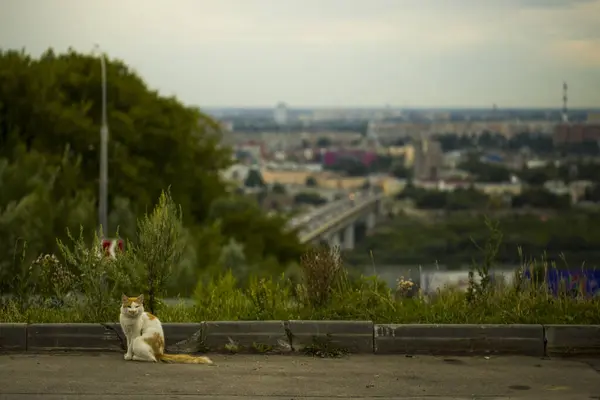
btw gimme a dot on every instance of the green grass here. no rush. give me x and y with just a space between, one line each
325 292
365 299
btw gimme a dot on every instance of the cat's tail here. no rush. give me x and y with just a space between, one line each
185 359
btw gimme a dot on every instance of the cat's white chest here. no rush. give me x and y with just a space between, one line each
131 327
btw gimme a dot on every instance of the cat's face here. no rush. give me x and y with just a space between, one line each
132 306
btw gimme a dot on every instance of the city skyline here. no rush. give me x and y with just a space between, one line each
333 53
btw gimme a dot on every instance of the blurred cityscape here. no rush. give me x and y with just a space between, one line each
332 152
298 160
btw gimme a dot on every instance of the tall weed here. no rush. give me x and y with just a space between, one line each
161 242
100 278
220 298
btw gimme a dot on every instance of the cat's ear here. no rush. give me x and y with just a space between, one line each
124 298
140 298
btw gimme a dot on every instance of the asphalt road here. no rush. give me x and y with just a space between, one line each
108 376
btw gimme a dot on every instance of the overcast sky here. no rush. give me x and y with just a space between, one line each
514 53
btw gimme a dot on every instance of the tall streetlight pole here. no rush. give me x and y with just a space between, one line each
103 189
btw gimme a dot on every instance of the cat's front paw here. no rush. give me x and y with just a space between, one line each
128 357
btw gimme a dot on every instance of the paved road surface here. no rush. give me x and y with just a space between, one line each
108 376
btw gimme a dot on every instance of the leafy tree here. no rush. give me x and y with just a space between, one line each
311 198
38 202
56 100
584 148
233 258
432 199
538 176
491 140
350 166
201 257
449 241
50 111
323 142
254 179
262 235
541 198
593 193
160 246
450 142
410 191
382 163
458 199
589 170
401 172
541 144
278 188
485 172
311 181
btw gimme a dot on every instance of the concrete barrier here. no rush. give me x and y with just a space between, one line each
246 336
13 337
73 337
350 336
459 339
347 336
572 340
183 337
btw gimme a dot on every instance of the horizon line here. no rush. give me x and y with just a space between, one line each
383 108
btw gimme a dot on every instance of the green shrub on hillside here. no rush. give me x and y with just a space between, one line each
365 298
87 287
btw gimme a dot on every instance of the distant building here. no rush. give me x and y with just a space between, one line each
250 152
578 190
237 173
406 151
576 133
428 160
593 118
389 131
452 159
227 126
557 187
532 164
492 158
280 115
366 157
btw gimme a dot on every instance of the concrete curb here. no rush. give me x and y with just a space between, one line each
316 337
76 337
246 336
334 336
13 337
459 339
179 337
572 340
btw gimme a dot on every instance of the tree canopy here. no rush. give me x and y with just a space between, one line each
569 238
50 114
155 141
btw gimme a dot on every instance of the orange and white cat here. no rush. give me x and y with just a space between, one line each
145 337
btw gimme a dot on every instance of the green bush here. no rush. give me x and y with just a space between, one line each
364 298
160 246
85 283
100 278
86 287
